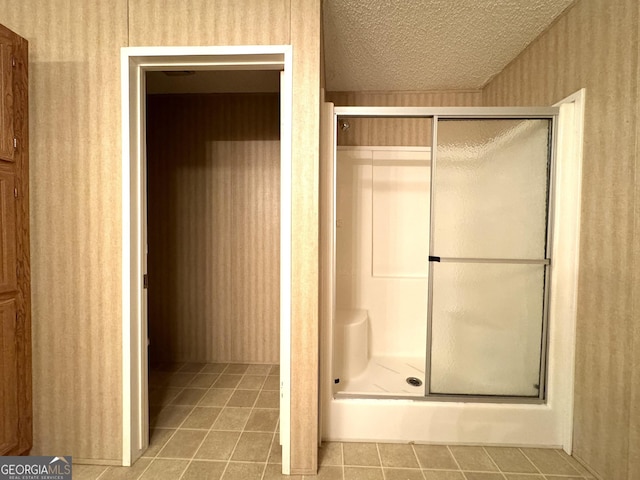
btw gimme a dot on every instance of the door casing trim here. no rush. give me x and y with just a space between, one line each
135 61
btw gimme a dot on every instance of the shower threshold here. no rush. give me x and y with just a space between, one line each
386 376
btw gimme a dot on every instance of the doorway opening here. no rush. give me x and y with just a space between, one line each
229 192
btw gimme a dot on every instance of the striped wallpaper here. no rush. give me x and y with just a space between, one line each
75 126
75 202
75 184
396 131
214 227
595 45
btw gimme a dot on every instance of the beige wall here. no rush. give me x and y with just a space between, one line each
76 199
74 89
214 196
595 45
397 131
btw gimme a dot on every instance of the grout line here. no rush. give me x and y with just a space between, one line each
155 457
225 406
494 463
384 477
532 462
456 460
193 407
273 440
103 472
568 463
417 459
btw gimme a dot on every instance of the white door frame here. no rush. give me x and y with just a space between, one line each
135 61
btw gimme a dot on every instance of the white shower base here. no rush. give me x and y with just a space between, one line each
386 376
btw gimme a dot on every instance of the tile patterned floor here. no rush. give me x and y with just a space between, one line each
219 422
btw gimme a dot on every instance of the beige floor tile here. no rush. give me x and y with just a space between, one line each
243 471
180 379
171 416
435 456
442 475
167 366
227 381
275 455
218 445
563 477
483 476
192 367
511 460
252 382
214 368
236 368
243 398
201 470
154 410
275 370
549 461
158 378
330 453
203 380
126 473
202 417
232 418
397 455
268 399
157 439
183 444
575 464
473 458
361 454
363 473
274 472
523 476
326 473
402 474
87 472
258 369
162 469
216 397
163 395
189 396
262 420
272 383
253 447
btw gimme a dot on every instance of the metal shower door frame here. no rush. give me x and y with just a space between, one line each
471 113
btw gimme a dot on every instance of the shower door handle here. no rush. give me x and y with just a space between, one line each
434 259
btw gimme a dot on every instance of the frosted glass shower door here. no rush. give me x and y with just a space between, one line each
489 261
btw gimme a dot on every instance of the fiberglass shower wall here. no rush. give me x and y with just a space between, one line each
382 235
446 250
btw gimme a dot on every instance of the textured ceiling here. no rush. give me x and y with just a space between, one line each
427 44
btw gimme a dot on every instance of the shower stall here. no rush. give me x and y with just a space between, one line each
442 253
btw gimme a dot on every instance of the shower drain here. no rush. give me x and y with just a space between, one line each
414 382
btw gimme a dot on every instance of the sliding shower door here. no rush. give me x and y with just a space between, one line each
489 264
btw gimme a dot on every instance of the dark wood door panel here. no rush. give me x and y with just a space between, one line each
6 98
8 274
15 291
9 385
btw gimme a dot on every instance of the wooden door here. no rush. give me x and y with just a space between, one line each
15 295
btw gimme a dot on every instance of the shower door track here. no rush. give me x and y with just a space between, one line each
518 261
